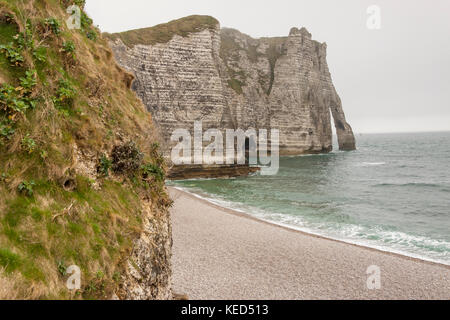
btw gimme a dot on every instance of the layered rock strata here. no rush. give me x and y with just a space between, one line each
229 80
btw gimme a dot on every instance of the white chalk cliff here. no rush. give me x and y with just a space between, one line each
230 80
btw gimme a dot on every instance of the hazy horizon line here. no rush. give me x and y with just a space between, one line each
402 132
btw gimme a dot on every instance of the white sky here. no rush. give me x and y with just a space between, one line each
396 79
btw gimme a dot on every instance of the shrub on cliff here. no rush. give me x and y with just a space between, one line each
126 158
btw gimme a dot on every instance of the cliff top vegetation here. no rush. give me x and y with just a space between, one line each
163 33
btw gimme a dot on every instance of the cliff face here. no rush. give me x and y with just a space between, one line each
230 80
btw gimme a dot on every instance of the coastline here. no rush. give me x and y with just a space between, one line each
195 219
246 215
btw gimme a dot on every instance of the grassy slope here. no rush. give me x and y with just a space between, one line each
56 210
163 33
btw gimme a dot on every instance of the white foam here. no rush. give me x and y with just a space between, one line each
347 233
372 164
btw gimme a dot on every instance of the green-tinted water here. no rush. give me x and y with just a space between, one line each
393 193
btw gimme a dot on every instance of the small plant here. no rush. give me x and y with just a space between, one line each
54 25
13 102
116 276
29 81
62 269
157 156
65 91
40 54
4 177
126 158
9 101
86 22
24 40
9 18
6 129
43 154
86 26
28 144
153 170
68 47
105 165
9 260
155 146
26 187
80 3
13 54
100 275
64 95
91 35
94 288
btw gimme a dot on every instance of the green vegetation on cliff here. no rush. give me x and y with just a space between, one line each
236 85
78 157
231 48
163 33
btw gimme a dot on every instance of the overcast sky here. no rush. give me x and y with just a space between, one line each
396 79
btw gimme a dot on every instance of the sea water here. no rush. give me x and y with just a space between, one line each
393 194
